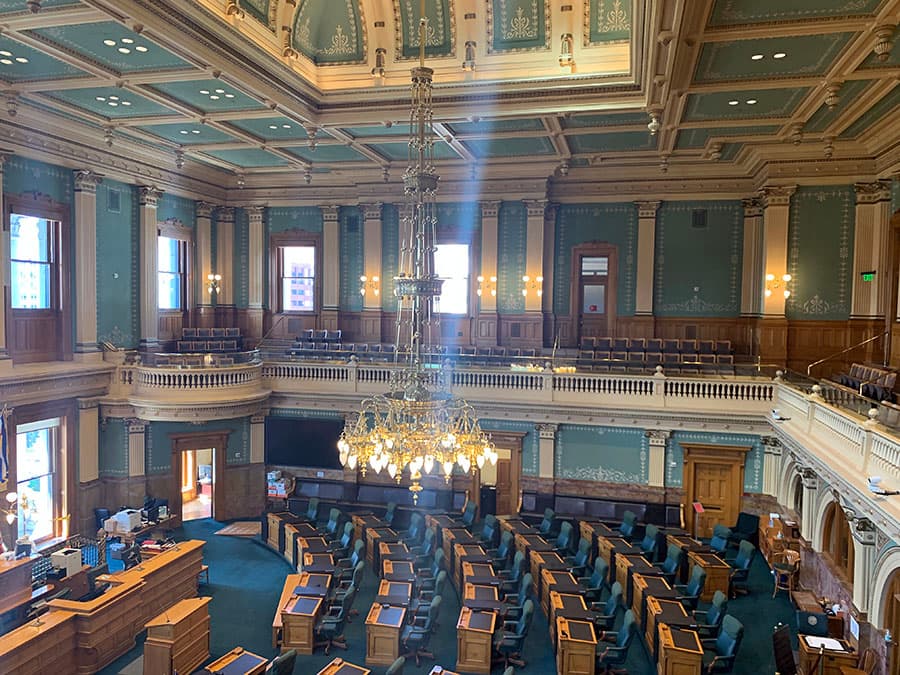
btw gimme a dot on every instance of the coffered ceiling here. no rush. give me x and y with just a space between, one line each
208 95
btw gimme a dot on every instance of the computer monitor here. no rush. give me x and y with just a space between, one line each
132 556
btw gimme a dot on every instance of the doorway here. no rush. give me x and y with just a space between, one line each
714 478
505 476
593 290
196 484
892 616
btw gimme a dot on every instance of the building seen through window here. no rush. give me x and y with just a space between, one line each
36 446
30 262
298 280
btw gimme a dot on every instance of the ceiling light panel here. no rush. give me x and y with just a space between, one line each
273 129
188 133
209 95
110 102
20 63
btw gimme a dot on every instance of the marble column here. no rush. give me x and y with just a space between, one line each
149 200
863 532
86 349
204 266
657 440
752 276
810 487
88 439
871 250
370 322
646 253
225 265
331 268
546 449
137 451
486 326
255 282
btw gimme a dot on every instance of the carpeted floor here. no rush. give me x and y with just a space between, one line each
246 581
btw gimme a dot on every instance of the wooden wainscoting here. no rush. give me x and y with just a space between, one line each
170 324
521 330
369 327
486 329
35 335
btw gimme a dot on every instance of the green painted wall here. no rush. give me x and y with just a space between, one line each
390 256
512 240
698 271
530 443
28 175
753 465
159 444
351 227
178 208
113 450
240 266
820 253
597 453
615 224
118 286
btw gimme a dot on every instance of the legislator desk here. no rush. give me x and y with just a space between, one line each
474 632
670 612
680 651
178 639
532 543
292 533
396 593
609 547
515 525
38 648
644 587
398 570
341 667
718 573
544 561
383 626
15 575
363 521
471 553
569 606
239 662
479 574
440 522
482 598
576 647
275 523
809 602
290 583
836 654
396 550
298 619
452 536
320 563
306 544
16 594
156 530
687 544
591 529
559 581
374 536
627 565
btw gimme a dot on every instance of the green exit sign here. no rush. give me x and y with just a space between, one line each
868 276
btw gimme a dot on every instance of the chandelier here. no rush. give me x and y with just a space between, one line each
418 425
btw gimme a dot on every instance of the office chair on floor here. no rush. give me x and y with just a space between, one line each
626 527
415 637
283 665
709 620
329 631
579 562
615 654
740 568
546 526
672 564
500 556
719 652
598 582
607 611
719 541
509 642
515 604
649 542
390 512
396 667
690 593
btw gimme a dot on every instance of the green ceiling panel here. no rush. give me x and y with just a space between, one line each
518 25
618 142
110 102
377 130
18 6
610 21
19 63
732 12
328 153
696 138
273 128
892 61
439 38
258 9
510 147
330 31
488 127
888 105
803 55
734 105
209 95
613 120
188 133
112 45
825 116
729 151
251 158
398 151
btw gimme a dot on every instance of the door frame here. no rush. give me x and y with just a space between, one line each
592 249
707 453
218 441
512 441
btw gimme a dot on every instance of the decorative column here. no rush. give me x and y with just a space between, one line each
257 439
255 260
773 327
771 465
149 199
657 440
88 439
646 253
5 361
331 268
225 265
370 322
550 335
546 449
486 329
752 277
86 270
863 562
136 448
532 327
205 314
810 486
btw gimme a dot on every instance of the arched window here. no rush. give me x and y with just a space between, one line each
837 541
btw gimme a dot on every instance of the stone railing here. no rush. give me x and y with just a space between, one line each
196 385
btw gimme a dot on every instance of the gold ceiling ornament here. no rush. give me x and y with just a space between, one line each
418 425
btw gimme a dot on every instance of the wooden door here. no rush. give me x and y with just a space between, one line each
593 318
218 441
714 477
593 290
505 496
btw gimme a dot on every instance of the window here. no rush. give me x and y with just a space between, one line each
37 446
172 272
33 256
451 263
298 278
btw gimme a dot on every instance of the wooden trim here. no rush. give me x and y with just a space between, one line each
592 249
294 238
218 441
174 229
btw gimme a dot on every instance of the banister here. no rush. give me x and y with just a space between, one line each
843 351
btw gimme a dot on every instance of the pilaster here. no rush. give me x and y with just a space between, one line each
771 463
370 322
331 267
149 200
752 277
255 259
137 448
546 449
871 250
5 361
486 328
257 439
549 273
225 254
88 439
863 532
534 253
86 348
204 266
657 440
646 249
810 486
776 205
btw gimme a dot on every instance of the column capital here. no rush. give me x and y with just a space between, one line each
88 402
405 211
86 180
535 207
255 213
135 426
647 209
205 209
149 195
809 479
752 207
225 214
5 155
864 531
330 213
776 195
657 436
547 431
490 208
871 193
772 446
372 211
550 211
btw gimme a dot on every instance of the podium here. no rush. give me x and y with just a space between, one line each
298 618
474 632
178 639
834 653
383 626
576 647
680 652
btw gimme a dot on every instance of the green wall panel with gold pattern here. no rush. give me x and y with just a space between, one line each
241 262
820 253
518 25
330 31
390 255
512 240
610 21
440 32
112 449
350 220
258 9
608 454
178 209
530 442
118 283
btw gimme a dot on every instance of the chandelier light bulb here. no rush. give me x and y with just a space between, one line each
429 463
480 461
770 277
448 469
392 470
768 293
786 277
11 497
351 462
10 517
787 294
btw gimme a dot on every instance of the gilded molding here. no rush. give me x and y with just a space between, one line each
372 211
255 213
776 195
330 213
536 207
490 208
752 207
647 209
205 209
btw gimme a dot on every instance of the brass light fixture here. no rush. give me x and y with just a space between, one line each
212 282
773 284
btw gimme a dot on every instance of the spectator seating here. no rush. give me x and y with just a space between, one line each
638 355
871 381
336 350
210 340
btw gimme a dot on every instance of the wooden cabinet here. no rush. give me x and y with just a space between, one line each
576 647
474 631
680 652
383 626
178 639
834 655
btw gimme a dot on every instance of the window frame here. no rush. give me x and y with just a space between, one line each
52 263
283 240
185 237
53 425
469 286
471 238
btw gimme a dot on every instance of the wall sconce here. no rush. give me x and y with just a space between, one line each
566 56
212 283
489 287
773 284
370 285
536 284
11 511
378 70
469 64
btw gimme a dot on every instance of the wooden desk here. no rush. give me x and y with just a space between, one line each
312 584
341 667
274 525
239 662
362 522
545 561
626 566
474 632
440 522
680 651
452 536
834 659
319 563
718 573
532 543
161 527
576 647
398 570
307 544
292 533
484 598
669 612
568 606
479 574
609 547
396 593
375 535
687 544
591 529
645 587
49 647
298 618
472 553
290 583
178 639
515 525
438 670
395 550
554 580
777 538
383 626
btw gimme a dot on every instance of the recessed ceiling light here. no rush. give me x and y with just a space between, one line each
213 97
183 131
21 59
751 101
140 48
6 62
113 98
124 50
204 91
779 55
5 53
285 126
127 41
273 126
229 95
732 102
109 43
126 102
220 91
112 103
101 98
195 131
757 57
